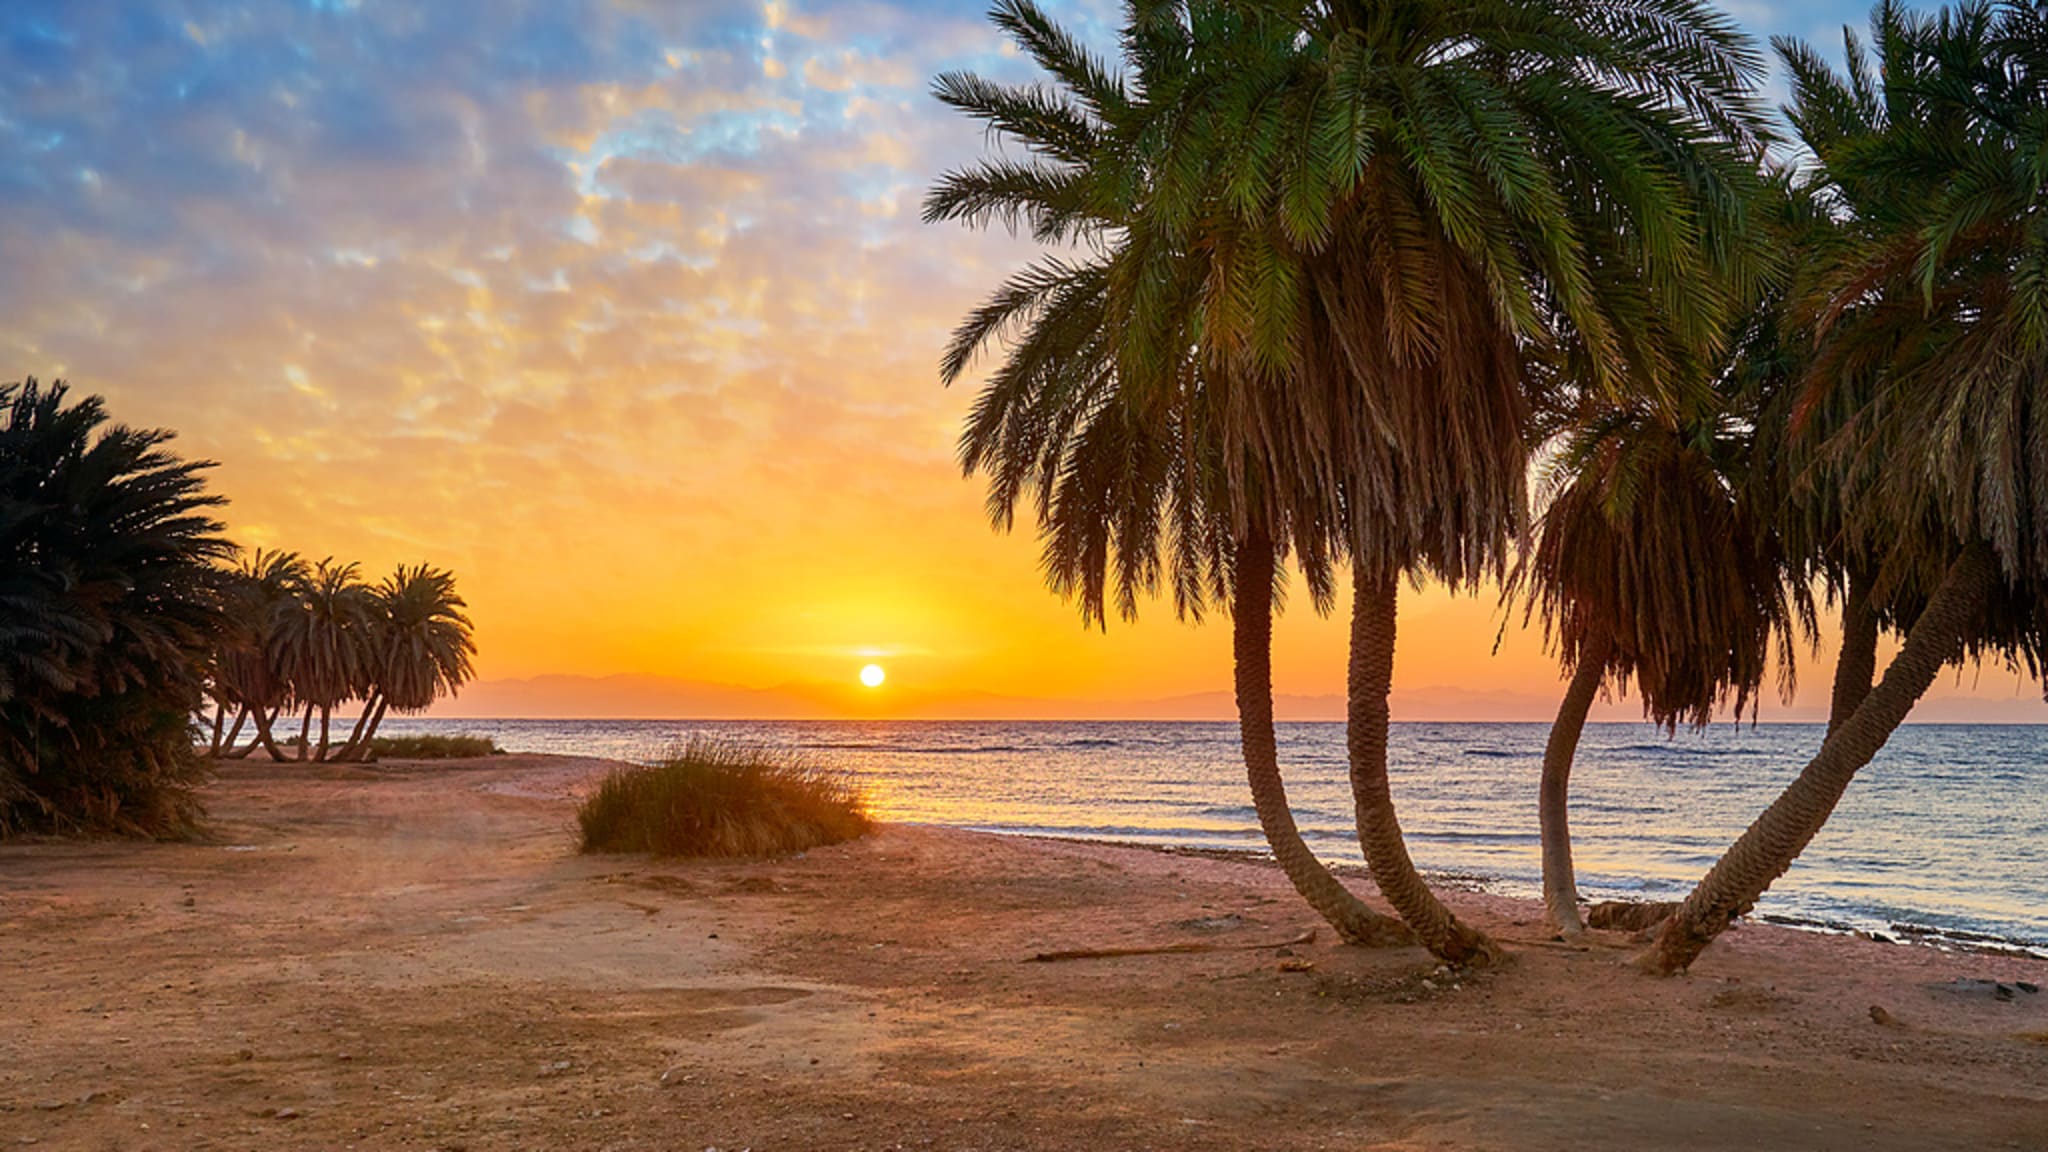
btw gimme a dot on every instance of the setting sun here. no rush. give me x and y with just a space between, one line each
872 675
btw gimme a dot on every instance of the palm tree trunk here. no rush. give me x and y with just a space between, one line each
1767 849
1252 646
1857 665
268 733
1374 599
305 730
352 749
264 738
370 735
220 719
228 745
326 715
1553 802
255 741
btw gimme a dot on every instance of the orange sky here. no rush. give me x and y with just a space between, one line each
626 317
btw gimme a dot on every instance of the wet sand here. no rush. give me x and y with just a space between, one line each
412 956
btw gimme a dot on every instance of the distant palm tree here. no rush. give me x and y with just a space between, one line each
1932 316
1416 198
1648 566
1117 445
324 646
264 590
419 649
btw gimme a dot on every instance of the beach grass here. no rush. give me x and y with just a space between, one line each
428 747
710 798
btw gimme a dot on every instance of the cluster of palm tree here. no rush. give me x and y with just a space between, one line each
108 605
124 614
309 638
1335 281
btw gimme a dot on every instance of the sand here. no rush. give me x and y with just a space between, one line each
412 956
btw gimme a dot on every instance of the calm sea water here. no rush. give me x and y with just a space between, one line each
1946 831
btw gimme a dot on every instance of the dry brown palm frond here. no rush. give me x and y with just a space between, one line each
1647 554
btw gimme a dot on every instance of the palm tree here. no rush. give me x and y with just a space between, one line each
264 590
420 648
1661 552
109 600
1116 447
1933 315
324 645
1647 565
1415 198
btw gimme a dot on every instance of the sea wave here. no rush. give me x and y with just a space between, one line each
1945 829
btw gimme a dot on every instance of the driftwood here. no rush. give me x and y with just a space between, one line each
1306 937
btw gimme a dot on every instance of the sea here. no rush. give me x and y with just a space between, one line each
1943 838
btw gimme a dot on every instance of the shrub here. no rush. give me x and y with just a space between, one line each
426 747
714 799
109 603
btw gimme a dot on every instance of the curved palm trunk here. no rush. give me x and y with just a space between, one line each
227 745
1252 647
255 740
265 738
1374 598
353 749
1553 803
1767 849
371 733
326 716
267 733
220 720
1857 665
305 730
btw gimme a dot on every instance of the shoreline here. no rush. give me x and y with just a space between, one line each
1652 816
1913 935
1908 932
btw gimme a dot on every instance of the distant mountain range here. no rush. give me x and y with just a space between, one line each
665 698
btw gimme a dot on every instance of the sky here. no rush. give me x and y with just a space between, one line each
623 311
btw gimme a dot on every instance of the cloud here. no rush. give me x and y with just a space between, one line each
620 307
461 277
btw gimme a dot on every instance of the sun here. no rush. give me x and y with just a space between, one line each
872 675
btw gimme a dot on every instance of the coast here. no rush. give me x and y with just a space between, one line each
412 956
1943 834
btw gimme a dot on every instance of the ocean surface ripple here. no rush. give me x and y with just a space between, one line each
1945 834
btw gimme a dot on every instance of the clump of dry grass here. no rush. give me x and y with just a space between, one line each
433 747
710 798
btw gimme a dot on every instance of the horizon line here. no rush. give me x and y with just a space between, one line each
1134 720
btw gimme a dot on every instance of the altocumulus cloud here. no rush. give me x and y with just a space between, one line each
427 275
623 296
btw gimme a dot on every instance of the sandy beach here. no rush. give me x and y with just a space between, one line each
413 956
